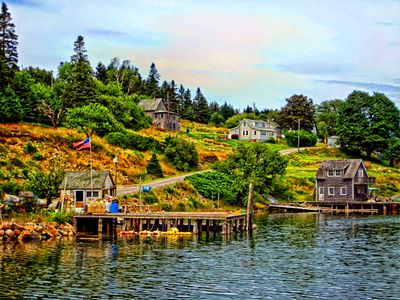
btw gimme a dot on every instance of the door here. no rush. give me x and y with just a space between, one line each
321 194
79 195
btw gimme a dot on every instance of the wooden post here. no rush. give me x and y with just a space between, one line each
249 215
76 224
180 224
215 227
200 225
207 227
224 227
189 225
100 226
195 227
108 222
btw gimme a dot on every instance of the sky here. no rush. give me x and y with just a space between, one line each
238 51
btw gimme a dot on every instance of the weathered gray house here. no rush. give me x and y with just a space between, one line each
255 130
162 118
333 141
342 180
78 185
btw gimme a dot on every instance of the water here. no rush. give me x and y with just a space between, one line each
290 256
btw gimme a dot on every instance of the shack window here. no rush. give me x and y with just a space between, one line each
321 190
331 173
360 173
255 132
338 173
343 190
331 191
244 124
263 133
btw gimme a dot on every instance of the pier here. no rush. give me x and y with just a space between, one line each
193 222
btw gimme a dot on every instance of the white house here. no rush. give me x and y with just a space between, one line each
256 130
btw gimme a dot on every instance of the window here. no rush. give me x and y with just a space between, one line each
255 132
321 190
331 173
247 132
343 190
244 124
331 191
244 132
338 173
263 133
360 173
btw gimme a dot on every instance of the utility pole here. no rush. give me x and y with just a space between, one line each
298 135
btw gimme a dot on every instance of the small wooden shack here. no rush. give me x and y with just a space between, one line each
80 185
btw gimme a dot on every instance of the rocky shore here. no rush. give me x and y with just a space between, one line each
32 231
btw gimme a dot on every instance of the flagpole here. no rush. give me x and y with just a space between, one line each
91 169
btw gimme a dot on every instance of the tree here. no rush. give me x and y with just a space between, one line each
392 153
366 123
217 118
153 166
227 111
101 72
41 75
10 106
80 88
50 104
92 118
8 47
23 87
326 117
152 82
255 166
201 107
181 153
298 107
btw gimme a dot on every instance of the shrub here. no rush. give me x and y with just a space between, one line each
153 166
38 156
131 140
150 198
61 218
307 139
181 153
271 140
30 148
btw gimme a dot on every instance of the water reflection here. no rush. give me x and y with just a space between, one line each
289 256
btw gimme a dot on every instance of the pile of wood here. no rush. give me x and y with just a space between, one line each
32 231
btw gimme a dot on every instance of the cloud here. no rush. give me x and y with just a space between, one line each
314 68
32 3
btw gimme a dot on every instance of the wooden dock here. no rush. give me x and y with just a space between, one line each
194 222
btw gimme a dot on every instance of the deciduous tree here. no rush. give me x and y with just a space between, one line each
298 107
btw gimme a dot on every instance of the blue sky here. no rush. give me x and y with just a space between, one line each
236 51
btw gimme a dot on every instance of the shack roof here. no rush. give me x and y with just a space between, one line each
152 104
350 167
81 180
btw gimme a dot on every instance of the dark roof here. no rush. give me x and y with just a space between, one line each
81 180
150 104
350 167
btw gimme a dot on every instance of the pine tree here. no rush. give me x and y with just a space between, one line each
153 166
101 72
8 47
152 82
201 108
81 88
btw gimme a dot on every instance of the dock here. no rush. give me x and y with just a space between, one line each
194 222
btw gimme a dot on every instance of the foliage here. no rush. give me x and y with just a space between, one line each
307 139
181 153
217 118
366 123
38 156
392 153
210 184
45 184
92 118
298 107
49 104
61 217
10 106
201 107
132 140
30 148
152 82
150 198
153 166
326 117
253 163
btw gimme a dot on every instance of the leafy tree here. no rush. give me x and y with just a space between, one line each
234 120
23 88
80 88
152 82
326 115
255 166
366 123
201 108
8 47
92 118
298 107
45 184
126 76
181 153
153 166
41 75
51 106
10 106
307 139
392 153
217 118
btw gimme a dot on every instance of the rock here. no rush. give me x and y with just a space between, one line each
38 228
36 235
1 232
7 226
18 227
9 233
17 231
51 230
71 233
25 235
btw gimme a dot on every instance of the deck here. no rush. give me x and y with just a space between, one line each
195 222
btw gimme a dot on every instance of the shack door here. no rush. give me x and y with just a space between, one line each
79 196
321 194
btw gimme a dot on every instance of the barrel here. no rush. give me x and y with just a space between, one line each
114 207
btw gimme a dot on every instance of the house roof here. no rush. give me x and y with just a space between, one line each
272 124
151 104
81 180
350 167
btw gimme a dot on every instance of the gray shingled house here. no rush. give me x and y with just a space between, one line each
342 180
162 118
78 185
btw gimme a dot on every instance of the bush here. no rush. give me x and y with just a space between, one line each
30 148
181 153
150 198
61 218
271 140
38 156
307 139
131 140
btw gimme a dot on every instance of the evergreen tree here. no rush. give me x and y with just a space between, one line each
152 82
41 75
214 107
180 99
81 88
101 72
298 107
8 47
153 166
227 111
23 87
201 108
10 106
